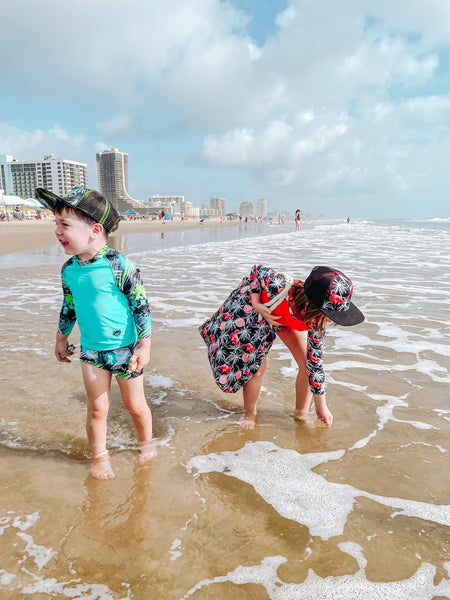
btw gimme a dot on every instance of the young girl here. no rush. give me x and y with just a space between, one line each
299 319
103 291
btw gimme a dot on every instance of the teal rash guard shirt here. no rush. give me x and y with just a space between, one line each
107 298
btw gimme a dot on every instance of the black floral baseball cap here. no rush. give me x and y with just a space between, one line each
331 291
90 202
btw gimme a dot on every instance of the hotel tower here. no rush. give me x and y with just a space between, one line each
112 170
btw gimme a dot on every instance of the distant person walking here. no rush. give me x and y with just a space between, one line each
297 220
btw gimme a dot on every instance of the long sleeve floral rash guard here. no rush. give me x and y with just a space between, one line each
107 298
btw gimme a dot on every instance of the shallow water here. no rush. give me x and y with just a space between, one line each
286 511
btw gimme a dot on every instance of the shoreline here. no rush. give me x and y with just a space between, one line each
24 236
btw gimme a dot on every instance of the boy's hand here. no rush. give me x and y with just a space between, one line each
61 353
141 356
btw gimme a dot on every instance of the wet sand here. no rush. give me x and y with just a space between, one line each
360 510
23 236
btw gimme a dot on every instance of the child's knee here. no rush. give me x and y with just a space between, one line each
138 408
98 410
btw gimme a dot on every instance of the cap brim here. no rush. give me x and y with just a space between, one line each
47 199
352 316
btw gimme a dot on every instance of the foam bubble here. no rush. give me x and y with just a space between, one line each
419 586
174 550
31 583
41 554
159 381
5 577
385 414
284 479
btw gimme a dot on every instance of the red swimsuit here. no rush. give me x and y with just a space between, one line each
286 312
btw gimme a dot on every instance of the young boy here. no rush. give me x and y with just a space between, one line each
103 291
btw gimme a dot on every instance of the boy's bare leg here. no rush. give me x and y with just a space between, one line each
97 383
251 391
135 402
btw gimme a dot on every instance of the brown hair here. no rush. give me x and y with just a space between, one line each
62 206
312 316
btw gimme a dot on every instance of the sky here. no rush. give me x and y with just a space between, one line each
337 108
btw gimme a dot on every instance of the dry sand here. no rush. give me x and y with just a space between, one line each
21 236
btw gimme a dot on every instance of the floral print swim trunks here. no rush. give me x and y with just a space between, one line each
116 361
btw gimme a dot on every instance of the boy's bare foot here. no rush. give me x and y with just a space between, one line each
147 452
248 421
101 467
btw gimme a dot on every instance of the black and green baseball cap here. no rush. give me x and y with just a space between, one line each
91 202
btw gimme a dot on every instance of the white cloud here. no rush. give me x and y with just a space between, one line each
242 147
278 143
32 145
322 139
117 125
232 148
343 96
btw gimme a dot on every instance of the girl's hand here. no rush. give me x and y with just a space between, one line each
267 315
264 310
322 411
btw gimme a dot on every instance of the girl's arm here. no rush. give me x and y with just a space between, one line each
261 277
314 365
263 310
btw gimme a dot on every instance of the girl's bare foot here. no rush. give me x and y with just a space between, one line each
101 467
248 421
147 451
302 415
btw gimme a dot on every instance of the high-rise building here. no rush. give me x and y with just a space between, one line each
261 208
217 206
5 174
112 171
246 209
170 204
58 175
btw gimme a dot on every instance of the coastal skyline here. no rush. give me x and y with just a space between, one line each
336 109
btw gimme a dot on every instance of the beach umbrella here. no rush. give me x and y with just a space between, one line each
168 217
129 211
14 201
204 216
153 212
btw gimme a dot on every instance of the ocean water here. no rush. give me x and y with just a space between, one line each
287 511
